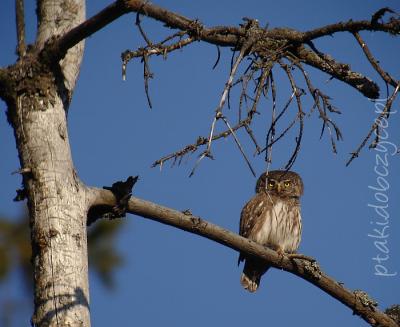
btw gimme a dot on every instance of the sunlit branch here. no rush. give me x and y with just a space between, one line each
303 266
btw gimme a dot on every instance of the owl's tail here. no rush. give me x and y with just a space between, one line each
251 275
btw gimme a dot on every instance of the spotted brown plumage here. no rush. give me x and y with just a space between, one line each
271 218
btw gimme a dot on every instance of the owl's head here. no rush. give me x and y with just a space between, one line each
281 183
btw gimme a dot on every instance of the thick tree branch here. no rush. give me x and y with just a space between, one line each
338 70
358 301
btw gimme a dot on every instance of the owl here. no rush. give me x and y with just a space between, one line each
271 218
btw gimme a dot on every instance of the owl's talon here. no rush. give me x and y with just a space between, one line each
281 253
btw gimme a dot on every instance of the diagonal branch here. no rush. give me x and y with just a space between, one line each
57 48
375 126
227 36
200 142
374 63
357 301
338 70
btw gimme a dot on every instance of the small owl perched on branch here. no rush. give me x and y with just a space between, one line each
271 218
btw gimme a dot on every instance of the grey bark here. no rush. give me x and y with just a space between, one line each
38 98
56 17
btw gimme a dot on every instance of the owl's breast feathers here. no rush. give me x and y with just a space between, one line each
272 221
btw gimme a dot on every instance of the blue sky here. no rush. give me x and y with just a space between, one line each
174 278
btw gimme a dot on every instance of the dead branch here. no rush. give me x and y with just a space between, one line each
20 19
375 126
264 47
239 145
358 301
374 63
300 115
270 139
323 110
191 148
160 48
232 36
338 70
246 47
392 27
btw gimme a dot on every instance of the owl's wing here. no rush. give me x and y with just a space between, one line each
252 215
252 212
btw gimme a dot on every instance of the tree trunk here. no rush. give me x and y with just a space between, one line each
37 110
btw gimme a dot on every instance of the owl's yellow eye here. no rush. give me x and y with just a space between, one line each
286 184
271 184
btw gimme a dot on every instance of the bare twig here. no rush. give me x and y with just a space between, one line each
232 74
270 139
271 131
191 148
326 106
379 14
151 49
385 76
300 115
244 81
239 145
253 138
207 152
138 24
20 19
201 157
158 49
283 133
218 58
265 72
218 111
147 74
384 114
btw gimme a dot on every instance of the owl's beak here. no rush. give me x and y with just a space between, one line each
279 187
